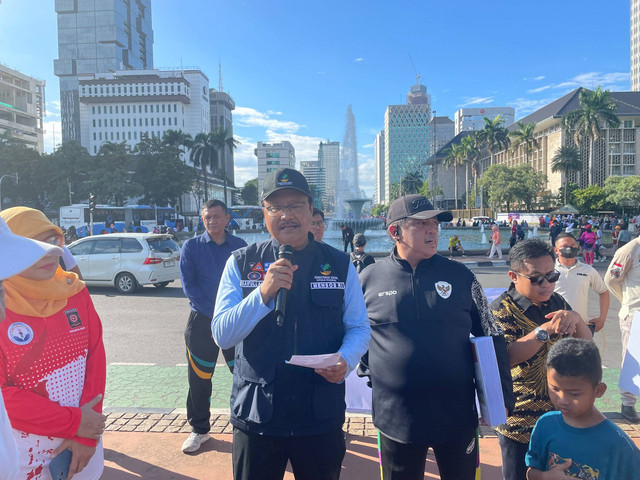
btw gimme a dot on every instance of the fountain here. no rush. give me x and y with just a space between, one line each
348 189
484 239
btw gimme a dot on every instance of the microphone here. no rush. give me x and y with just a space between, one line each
286 251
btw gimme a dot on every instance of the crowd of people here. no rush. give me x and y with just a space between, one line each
402 322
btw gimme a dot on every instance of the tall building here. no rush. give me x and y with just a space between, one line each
272 156
22 107
468 119
635 45
98 37
125 105
221 105
378 155
442 130
406 138
329 160
314 174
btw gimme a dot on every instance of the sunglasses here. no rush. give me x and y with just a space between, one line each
551 277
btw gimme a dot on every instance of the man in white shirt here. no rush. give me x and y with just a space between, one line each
576 278
623 280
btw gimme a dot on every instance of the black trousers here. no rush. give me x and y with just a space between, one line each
457 459
202 353
347 242
262 457
513 453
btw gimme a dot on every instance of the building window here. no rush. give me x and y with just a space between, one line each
94 122
94 136
152 122
163 122
175 107
95 149
135 135
134 122
117 122
273 155
111 135
129 135
99 112
628 124
111 122
175 120
139 108
93 110
110 108
119 90
128 107
99 135
117 135
128 122
145 109
157 108
146 122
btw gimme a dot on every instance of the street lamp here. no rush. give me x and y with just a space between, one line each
14 175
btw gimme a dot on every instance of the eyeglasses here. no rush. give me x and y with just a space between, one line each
551 277
293 209
317 224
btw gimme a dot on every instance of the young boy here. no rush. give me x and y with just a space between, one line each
578 441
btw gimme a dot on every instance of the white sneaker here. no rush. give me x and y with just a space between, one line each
194 442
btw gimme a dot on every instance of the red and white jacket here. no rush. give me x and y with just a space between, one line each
49 367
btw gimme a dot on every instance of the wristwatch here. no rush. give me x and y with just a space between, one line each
541 335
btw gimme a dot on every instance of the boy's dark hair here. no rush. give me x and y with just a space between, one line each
215 203
564 235
576 357
528 249
317 211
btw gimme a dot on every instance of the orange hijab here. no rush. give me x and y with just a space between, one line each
37 298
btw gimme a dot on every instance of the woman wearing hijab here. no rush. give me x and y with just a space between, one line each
53 367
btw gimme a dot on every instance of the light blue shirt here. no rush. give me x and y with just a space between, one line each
235 317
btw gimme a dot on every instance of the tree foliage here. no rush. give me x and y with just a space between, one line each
591 199
623 191
249 192
508 185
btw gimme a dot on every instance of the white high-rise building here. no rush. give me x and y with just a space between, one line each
271 157
21 107
468 119
406 138
635 45
442 130
329 160
125 105
378 155
98 37
314 174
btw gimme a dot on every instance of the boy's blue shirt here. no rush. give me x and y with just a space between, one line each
602 452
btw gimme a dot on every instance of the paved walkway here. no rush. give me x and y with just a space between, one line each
147 446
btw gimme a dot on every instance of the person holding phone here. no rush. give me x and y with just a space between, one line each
53 372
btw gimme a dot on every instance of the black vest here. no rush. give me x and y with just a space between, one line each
269 396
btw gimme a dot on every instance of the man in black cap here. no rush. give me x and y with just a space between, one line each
422 308
281 412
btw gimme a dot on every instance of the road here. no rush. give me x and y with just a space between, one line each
143 336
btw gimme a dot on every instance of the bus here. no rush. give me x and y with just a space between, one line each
246 217
132 217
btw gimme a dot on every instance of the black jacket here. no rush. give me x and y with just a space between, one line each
419 360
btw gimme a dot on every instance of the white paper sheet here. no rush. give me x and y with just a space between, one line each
315 361
630 373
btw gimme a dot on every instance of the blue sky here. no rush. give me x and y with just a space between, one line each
293 67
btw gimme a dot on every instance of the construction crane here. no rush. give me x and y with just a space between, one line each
414 69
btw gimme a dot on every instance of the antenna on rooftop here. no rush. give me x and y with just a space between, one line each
414 68
219 75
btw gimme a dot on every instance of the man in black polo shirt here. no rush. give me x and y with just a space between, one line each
533 318
422 308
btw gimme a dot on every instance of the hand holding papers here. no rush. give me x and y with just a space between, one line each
315 361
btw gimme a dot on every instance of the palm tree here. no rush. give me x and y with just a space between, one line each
411 183
494 135
455 157
203 156
524 138
177 139
221 139
596 108
566 160
470 153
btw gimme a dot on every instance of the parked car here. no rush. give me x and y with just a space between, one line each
127 260
479 220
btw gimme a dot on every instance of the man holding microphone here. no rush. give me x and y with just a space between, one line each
281 412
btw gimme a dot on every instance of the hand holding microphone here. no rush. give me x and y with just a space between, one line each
279 279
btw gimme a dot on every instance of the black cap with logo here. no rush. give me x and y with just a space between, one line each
415 206
284 178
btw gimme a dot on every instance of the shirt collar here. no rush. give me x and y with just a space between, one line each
208 239
523 302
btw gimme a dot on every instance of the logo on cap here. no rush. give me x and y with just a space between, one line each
419 203
284 180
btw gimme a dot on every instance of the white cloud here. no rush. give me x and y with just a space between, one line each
358 60
475 101
321 72
615 81
250 117
537 79
273 112
53 108
366 173
525 106
368 145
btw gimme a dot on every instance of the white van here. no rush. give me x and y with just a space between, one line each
127 260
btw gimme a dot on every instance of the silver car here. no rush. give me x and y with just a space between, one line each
127 260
